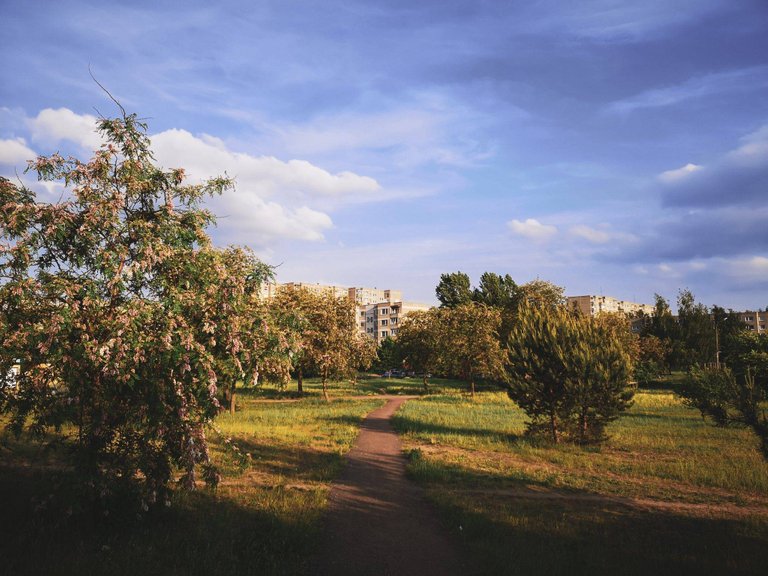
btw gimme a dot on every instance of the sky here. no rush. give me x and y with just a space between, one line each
611 147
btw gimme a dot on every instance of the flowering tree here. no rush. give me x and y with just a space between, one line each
124 318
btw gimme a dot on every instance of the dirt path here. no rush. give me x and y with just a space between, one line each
378 521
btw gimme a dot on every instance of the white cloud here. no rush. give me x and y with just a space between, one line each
52 126
532 228
15 152
678 174
590 234
264 176
273 200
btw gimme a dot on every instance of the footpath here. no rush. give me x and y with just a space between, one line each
378 522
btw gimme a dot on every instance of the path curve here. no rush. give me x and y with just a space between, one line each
378 521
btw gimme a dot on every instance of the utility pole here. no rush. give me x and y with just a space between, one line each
717 347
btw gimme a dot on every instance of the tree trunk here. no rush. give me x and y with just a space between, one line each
325 388
553 427
300 379
232 401
472 387
426 387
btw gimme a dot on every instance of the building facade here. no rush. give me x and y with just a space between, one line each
382 319
591 305
755 321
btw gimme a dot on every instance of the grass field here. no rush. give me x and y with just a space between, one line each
668 494
366 385
262 519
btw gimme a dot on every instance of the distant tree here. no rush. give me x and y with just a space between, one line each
327 342
469 343
123 316
453 290
496 290
419 342
697 332
652 358
663 325
542 293
387 355
568 372
363 354
728 324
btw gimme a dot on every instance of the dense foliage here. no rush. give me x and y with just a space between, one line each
322 334
124 319
568 372
735 392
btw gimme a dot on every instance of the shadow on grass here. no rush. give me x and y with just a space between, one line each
366 385
299 464
201 533
583 533
405 425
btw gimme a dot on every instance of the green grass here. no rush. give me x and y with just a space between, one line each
667 494
262 520
366 385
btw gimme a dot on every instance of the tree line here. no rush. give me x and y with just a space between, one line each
133 330
570 373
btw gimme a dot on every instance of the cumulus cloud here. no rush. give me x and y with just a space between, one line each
739 177
273 200
532 229
52 126
206 156
15 152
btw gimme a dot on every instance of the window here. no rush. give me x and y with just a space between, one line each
393 320
393 332
384 322
384 333
384 311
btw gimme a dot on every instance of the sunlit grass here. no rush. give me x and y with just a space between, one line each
682 495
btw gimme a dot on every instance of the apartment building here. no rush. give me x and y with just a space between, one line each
755 321
591 305
367 296
382 319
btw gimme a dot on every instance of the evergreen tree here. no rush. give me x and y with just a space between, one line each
569 373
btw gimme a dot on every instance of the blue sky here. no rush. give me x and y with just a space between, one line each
607 146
